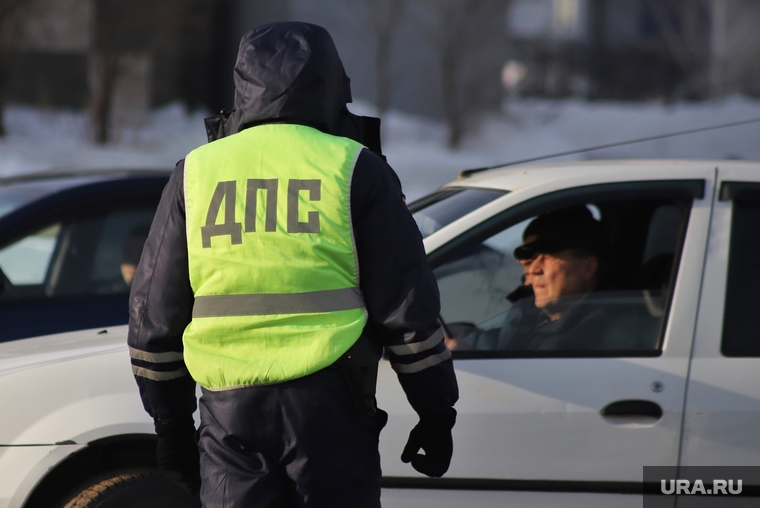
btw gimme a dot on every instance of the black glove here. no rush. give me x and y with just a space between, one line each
177 453
433 435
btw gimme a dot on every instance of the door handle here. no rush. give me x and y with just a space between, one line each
639 408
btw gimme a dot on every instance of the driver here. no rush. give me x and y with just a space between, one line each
562 255
132 250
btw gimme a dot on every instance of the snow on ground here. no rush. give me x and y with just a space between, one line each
43 139
415 147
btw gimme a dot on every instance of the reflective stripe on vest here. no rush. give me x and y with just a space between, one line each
264 305
271 256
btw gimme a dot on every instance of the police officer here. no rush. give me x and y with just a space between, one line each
280 262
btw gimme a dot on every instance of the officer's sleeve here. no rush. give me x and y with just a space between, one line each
160 307
399 288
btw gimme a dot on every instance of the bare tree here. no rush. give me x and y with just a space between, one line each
11 13
106 67
684 34
121 29
715 59
382 18
113 38
735 47
385 19
465 35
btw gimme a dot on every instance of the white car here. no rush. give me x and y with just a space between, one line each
674 382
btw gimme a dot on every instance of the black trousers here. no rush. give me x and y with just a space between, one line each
295 444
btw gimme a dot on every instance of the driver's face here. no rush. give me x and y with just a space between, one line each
128 272
560 274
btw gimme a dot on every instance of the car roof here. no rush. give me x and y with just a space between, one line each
21 191
65 175
512 178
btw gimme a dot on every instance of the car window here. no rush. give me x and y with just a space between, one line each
743 283
85 255
593 278
26 261
443 207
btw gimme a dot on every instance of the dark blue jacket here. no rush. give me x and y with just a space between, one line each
291 73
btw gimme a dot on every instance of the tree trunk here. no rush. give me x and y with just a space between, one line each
384 16
382 69
718 50
451 100
107 71
3 82
10 11
3 132
463 31
599 69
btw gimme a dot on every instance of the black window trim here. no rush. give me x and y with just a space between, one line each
508 485
433 198
590 353
738 192
689 189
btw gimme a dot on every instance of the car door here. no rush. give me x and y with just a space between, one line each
723 404
63 266
574 420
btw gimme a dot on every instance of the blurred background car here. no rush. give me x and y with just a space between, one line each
69 242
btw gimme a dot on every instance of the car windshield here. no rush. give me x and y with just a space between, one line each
443 207
17 194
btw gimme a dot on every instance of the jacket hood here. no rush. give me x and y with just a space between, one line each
291 72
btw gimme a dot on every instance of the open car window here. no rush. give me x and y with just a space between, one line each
494 305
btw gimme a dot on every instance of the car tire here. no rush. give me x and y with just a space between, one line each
134 490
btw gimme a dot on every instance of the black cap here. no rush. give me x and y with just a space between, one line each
568 228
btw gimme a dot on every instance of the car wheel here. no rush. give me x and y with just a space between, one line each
134 490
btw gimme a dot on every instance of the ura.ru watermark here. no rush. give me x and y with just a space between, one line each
701 486
709 487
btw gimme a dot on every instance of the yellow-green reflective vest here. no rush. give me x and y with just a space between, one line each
271 256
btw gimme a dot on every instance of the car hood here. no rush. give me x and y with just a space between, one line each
36 351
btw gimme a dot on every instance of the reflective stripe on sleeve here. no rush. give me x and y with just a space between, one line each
146 356
159 376
430 361
418 347
268 304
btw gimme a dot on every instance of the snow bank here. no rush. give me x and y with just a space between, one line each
415 147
